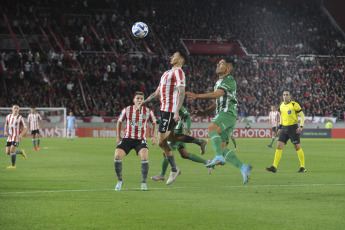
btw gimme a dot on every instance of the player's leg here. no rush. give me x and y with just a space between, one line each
144 156
165 164
274 135
190 156
180 137
119 154
277 155
295 139
33 140
38 139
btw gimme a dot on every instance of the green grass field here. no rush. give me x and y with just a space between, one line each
69 185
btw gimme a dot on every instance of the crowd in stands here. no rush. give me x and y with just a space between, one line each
92 65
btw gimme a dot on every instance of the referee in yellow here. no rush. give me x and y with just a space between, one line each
289 129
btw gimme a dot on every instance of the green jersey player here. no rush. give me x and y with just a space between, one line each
181 146
222 125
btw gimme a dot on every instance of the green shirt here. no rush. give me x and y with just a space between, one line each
180 125
228 102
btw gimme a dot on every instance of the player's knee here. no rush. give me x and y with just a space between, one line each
184 155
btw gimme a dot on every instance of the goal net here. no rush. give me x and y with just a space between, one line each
54 120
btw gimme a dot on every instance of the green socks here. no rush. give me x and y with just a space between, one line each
230 156
165 164
216 141
196 158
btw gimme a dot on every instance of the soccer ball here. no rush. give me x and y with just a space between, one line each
140 29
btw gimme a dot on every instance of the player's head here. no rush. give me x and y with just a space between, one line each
138 98
15 109
32 110
224 67
178 59
71 113
273 108
287 95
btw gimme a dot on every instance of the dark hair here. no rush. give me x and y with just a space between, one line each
184 56
287 90
138 93
230 61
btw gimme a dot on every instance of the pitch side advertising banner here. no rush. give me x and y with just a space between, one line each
195 132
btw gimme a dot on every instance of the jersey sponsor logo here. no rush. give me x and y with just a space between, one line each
134 123
289 112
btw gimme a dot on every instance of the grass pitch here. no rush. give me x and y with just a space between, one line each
69 185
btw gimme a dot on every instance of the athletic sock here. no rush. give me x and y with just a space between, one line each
144 170
234 141
273 138
231 157
216 141
165 164
277 157
187 139
172 162
38 142
301 157
34 142
118 169
196 158
18 152
13 158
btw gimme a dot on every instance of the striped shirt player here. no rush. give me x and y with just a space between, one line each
15 128
136 123
134 137
274 121
33 122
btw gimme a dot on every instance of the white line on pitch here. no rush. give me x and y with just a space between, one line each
128 189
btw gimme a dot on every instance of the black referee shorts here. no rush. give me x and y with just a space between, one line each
289 132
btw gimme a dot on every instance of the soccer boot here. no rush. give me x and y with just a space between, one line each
23 154
11 167
218 160
302 170
203 146
118 186
172 176
34 149
269 145
143 187
38 148
271 169
158 177
245 170
210 168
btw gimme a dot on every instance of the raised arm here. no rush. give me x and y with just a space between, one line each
214 95
207 111
150 98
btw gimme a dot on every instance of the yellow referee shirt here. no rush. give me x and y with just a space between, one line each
289 113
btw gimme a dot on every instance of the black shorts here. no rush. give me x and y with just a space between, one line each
127 144
289 132
35 131
10 143
166 122
275 129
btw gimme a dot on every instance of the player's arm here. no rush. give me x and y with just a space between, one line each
154 131
150 98
269 122
280 126
207 111
214 95
5 130
118 131
301 123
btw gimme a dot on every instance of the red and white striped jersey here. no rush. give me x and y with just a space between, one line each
14 125
274 118
168 92
136 123
33 120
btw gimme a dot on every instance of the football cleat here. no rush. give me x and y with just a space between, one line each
11 167
118 186
218 160
245 170
269 146
34 149
158 177
203 146
302 170
210 168
23 154
143 187
38 148
172 176
271 169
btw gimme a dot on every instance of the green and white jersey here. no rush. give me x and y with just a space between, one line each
228 102
183 115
